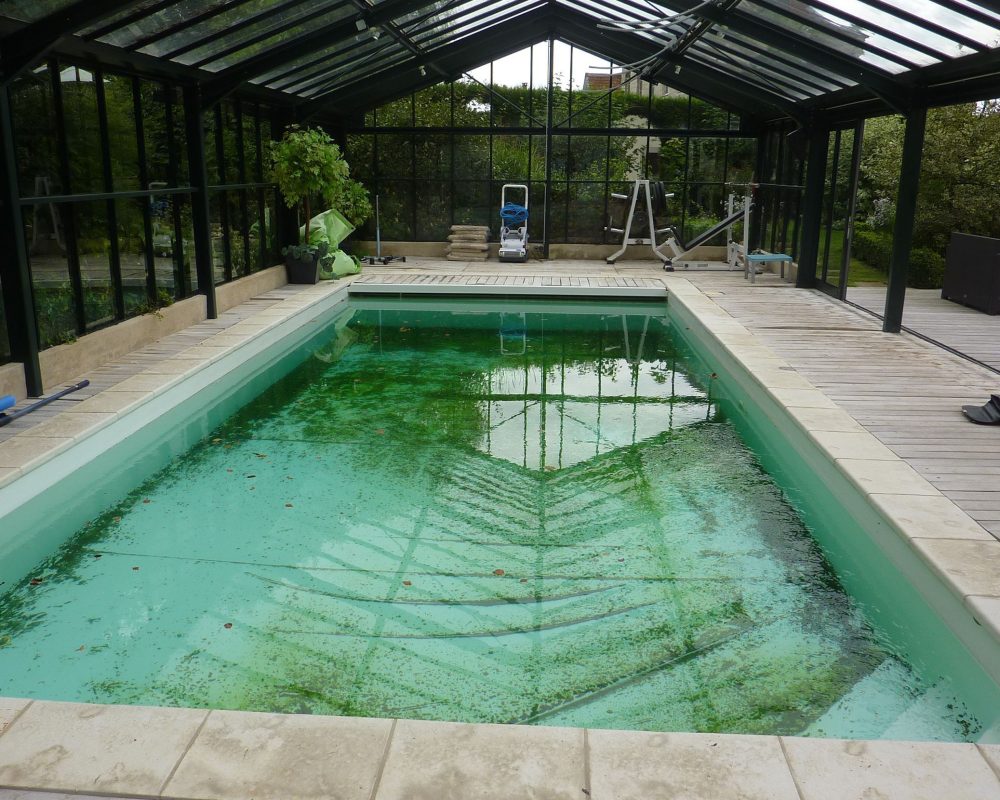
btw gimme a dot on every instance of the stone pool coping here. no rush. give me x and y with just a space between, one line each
134 751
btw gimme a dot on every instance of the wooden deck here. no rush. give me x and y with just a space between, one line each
966 330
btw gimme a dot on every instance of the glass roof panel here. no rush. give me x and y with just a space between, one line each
31 10
815 73
931 13
164 20
743 70
841 11
790 67
896 62
487 19
358 59
268 32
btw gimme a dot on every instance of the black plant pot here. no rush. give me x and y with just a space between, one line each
302 270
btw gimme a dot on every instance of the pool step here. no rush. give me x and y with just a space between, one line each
877 708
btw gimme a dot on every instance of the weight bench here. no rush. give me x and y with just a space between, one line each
751 260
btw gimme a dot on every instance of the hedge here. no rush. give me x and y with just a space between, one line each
875 249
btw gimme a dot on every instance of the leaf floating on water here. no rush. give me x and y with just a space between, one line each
81 648
523 580
97 555
228 625
35 581
288 505
135 569
407 583
499 572
228 470
251 476
146 501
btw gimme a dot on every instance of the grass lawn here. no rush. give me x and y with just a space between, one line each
859 273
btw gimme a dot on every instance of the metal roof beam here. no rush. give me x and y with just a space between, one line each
228 80
30 44
370 91
891 90
740 92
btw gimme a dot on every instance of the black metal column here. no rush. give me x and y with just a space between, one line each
547 220
19 305
760 175
906 209
812 211
200 216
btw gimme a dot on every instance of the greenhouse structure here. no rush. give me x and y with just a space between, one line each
468 399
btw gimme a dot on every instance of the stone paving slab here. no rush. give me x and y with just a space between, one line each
77 746
453 761
274 757
827 769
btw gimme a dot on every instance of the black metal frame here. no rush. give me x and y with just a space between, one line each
767 61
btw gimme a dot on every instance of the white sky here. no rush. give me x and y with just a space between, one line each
517 68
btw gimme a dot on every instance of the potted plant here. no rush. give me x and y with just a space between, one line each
306 163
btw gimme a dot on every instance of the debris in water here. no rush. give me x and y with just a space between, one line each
523 580
499 572
228 625
81 648
146 501
288 505
135 569
380 431
35 581
407 583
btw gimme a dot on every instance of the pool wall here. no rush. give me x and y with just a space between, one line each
848 497
81 478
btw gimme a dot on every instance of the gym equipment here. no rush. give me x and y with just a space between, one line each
378 258
514 233
682 250
655 198
738 252
6 419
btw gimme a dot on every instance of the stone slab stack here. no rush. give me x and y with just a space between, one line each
468 243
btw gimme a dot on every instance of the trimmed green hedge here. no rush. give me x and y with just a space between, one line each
875 249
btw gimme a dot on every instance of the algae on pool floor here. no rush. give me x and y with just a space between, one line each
473 516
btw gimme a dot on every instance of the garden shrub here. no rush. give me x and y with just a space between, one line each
926 269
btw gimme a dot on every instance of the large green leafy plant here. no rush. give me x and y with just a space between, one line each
307 163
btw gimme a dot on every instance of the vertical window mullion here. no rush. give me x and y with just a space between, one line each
118 289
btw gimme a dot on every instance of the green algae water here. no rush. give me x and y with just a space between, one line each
451 512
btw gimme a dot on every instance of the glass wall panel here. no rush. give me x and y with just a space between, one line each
82 130
397 210
35 134
93 246
433 211
122 143
50 275
132 254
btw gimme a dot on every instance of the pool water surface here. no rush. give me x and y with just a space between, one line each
472 515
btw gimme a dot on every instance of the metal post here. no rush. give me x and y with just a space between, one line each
547 222
760 175
200 216
852 207
812 211
19 305
906 209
